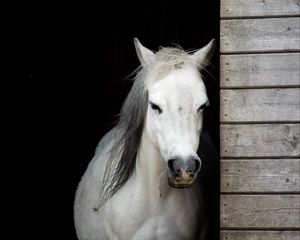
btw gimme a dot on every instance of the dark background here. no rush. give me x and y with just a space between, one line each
73 61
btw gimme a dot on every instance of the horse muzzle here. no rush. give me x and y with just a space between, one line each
183 172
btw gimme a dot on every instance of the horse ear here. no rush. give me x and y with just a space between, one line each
204 55
145 55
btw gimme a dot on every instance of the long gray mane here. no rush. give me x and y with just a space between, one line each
129 128
127 137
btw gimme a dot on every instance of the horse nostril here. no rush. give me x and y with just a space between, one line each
197 165
172 167
191 166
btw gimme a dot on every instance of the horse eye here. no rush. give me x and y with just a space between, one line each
156 107
202 107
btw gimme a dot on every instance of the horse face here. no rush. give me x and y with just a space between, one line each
175 112
174 123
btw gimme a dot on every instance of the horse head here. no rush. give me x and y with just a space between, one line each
176 100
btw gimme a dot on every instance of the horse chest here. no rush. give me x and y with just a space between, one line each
140 218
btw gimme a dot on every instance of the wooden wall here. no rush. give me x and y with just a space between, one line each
260 115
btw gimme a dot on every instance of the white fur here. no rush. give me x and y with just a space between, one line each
146 207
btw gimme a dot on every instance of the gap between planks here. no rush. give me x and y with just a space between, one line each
259 157
258 52
260 193
259 17
259 229
257 122
258 87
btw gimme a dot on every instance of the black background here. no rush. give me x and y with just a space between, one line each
68 82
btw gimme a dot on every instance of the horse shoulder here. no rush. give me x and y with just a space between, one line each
87 194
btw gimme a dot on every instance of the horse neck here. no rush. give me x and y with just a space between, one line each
150 169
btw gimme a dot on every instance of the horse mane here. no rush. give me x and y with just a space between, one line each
169 58
129 128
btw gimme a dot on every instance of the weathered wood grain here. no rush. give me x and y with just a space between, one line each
260 105
259 8
259 235
252 35
260 211
260 70
259 140
260 175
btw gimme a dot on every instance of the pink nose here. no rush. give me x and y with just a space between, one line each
184 168
185 176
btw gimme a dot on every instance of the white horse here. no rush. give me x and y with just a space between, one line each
141 183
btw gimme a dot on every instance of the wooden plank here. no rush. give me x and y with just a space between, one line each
260 140
259 8
263 35
260 175
259 235
260 211
260 70
260 105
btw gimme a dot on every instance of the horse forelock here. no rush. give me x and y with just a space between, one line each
169 58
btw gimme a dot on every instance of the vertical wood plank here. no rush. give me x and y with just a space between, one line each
259 8
260 105
252 70
260 211
260 140
260 175
259 35
259 235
